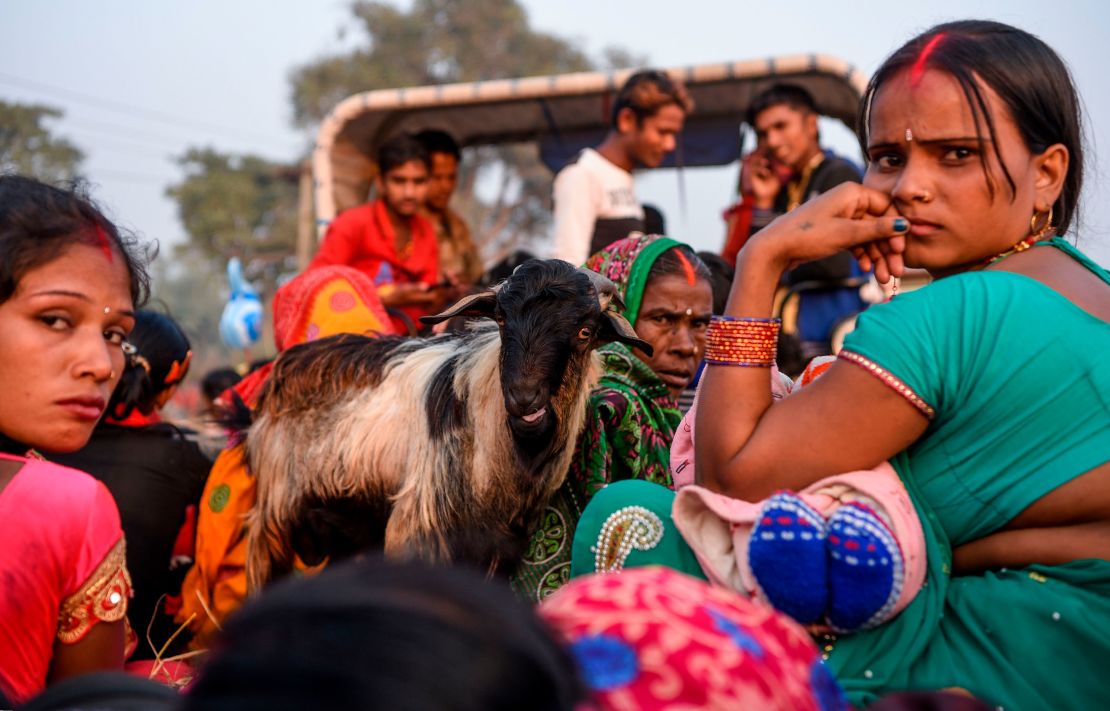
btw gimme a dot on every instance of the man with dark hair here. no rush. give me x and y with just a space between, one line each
459 262
388 239
788 167
595 202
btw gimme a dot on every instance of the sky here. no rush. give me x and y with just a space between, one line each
140 82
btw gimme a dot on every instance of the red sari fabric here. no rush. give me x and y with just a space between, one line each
62 567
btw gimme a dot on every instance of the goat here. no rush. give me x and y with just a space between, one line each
442 448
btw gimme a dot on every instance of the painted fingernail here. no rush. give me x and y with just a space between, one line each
901 224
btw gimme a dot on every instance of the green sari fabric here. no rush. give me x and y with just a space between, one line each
630 423
1017 376
1015 373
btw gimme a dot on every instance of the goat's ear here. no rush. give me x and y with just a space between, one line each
481 304
615 327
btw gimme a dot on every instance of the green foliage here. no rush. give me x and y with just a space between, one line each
437 42
27 146
445 41
238 205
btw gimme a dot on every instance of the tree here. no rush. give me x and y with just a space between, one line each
238 205
28 147
443 41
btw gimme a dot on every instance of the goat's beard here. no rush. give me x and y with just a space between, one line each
533 440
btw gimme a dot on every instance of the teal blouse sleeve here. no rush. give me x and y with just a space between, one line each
930 341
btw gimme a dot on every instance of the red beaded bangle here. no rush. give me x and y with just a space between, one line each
747 342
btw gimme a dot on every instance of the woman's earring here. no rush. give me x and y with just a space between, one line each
1040 232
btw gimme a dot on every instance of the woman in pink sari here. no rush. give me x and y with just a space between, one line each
68 287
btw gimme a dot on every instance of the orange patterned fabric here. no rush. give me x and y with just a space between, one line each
325 301
318 303
218 581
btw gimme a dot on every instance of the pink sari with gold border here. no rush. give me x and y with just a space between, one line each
62 568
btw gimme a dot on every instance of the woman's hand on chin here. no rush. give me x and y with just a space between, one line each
848 217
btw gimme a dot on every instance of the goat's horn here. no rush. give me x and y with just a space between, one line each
607 293
480 304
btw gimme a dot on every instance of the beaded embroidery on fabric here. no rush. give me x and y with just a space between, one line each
625 529
102 598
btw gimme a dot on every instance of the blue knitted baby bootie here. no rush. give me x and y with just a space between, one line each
866 570
787 556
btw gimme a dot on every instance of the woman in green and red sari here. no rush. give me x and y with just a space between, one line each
633 410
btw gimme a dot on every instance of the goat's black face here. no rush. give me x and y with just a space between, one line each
550 319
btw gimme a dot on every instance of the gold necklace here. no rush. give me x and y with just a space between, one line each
1021 246
795 191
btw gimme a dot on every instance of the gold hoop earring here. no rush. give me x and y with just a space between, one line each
1040 232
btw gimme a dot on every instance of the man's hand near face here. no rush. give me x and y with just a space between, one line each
396 295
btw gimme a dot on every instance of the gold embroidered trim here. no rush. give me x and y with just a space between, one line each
626 528
891 381
102 598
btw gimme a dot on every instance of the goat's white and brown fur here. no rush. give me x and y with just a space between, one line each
408 444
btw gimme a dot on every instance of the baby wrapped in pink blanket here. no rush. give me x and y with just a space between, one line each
847 552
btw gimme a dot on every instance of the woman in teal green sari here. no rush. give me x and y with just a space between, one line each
987 390
633 410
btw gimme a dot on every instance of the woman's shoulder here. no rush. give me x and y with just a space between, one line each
62 481
71 499
968 293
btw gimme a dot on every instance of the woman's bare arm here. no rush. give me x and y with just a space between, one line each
845 421
100 650
1028 546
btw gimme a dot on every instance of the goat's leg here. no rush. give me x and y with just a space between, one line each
407 537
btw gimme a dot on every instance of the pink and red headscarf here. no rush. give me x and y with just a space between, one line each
653 638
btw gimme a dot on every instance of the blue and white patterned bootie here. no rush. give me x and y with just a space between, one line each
788 558
866 569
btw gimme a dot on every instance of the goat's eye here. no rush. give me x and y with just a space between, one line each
499 320
585 333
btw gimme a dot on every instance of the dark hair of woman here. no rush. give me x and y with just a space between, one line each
372 634
721 281
38 222
158 356
1032 81
217 380
682 261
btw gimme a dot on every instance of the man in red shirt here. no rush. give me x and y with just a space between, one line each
388 239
